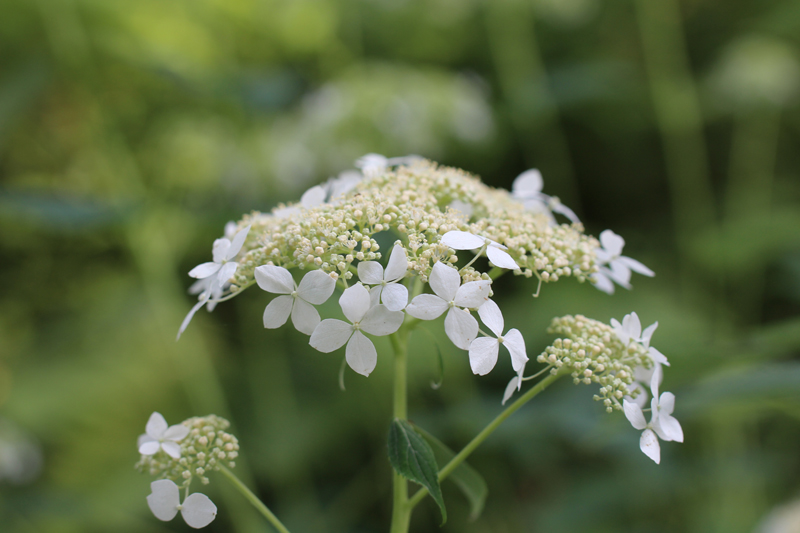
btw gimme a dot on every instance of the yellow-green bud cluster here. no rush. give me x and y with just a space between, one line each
205 449
414 203
594 354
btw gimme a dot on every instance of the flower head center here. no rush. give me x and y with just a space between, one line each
451 303
500 339
356 326
294 294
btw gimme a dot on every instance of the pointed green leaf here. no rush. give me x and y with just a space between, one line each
413 459
464 476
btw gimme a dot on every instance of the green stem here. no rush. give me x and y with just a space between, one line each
480 437
401 512
252 498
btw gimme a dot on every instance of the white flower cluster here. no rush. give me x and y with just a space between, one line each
180 453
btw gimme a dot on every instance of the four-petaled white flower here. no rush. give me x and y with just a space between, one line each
386 284
332 334
462 240
373 165
662 424
164 500
315 289
618 267
527 188
158 436
224 250
631 330
484 350
449 295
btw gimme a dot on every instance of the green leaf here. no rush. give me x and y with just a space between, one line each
413 459
464 476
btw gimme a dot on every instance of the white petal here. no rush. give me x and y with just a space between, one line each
647 334
237 243
642 374
444 281
149 447
461 327
634 414
230 229
204 270
198 510
361 354
668 428
516 347
375 295
462 208
641 398
538 205
602 282
527 184
636 266
330 335
274 279
510 389
381 321
558 207
156 426
500 258
461 240
612 242
227 271
277 312
666 404
491 316
649 445
344 183
176 433
370 272
632 326
655 381
395 296
316 287
621 332
220 250
473 294
355 302
189 316
314 196
304 317
657 357
164 499
142 439
620 273
398 264
173 449
483 355
427 307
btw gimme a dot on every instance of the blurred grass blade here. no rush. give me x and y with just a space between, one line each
465 477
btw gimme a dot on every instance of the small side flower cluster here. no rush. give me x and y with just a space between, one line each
178 454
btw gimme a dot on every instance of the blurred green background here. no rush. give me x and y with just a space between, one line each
131 131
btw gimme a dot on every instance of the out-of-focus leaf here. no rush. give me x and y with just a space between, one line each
465 477
18 90
56 212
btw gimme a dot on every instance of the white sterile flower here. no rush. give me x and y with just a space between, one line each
387 286
662 424
527 188
332 334
223 251
373 165
210 291
483 351
462 240
631 330
299 301
158 436
164 500
451 296
514 385
618 267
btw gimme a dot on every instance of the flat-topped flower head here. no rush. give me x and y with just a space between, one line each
450 295
332 334
159 436
615 267
483 351
165 501
298 301
387 287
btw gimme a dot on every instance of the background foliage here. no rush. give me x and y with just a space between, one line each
130 132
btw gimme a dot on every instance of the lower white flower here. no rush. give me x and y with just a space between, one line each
298 301
449 295
619 267
158 436
332 334
164 500
662 424
387 286
513 386
496 252
483 351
